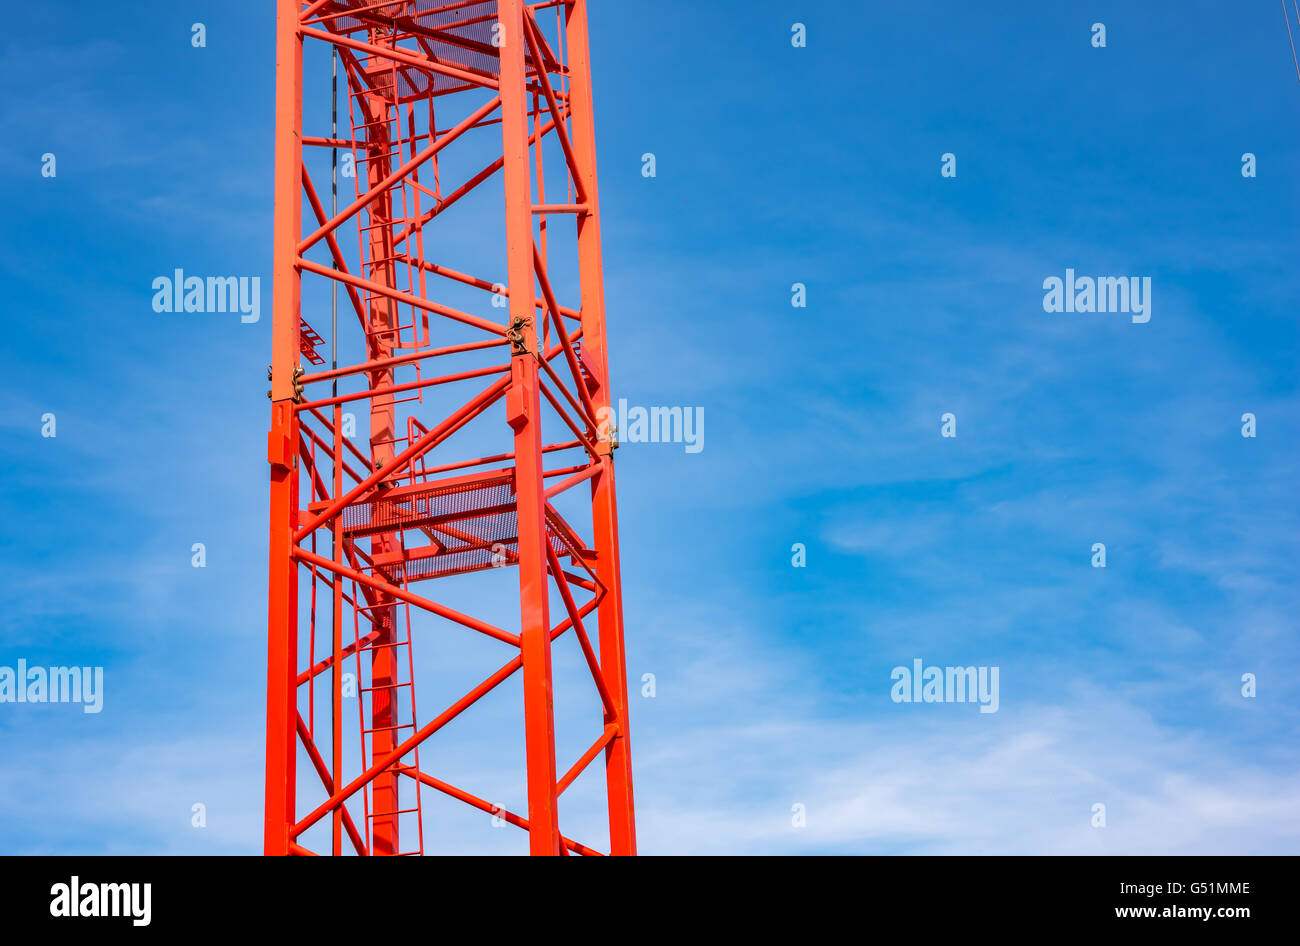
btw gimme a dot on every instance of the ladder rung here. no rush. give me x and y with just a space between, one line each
389 728
386 814
365 156
385 686
377 646
375 607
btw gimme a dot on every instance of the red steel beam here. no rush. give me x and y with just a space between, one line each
523 413
618 756
282 590
610 732
318 763
505 815
402 594
502 673
382 186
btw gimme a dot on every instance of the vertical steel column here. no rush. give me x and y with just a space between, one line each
523 408
282 440
336 638
382 330
336 530
604 510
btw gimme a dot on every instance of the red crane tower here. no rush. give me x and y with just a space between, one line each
473 410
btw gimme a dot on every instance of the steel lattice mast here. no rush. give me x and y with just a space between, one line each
361 526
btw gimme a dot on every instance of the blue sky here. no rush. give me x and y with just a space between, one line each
775 165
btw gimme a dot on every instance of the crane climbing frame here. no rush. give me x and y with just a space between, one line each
362 524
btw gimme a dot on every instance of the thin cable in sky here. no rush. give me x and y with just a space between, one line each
1287 17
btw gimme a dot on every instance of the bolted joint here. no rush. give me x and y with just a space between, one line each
298 388
515 334
606 445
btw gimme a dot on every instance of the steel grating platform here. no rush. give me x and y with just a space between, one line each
470 523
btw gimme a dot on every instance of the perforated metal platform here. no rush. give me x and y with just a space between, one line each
469 521
461 36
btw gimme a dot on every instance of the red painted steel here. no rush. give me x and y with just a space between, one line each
494 95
